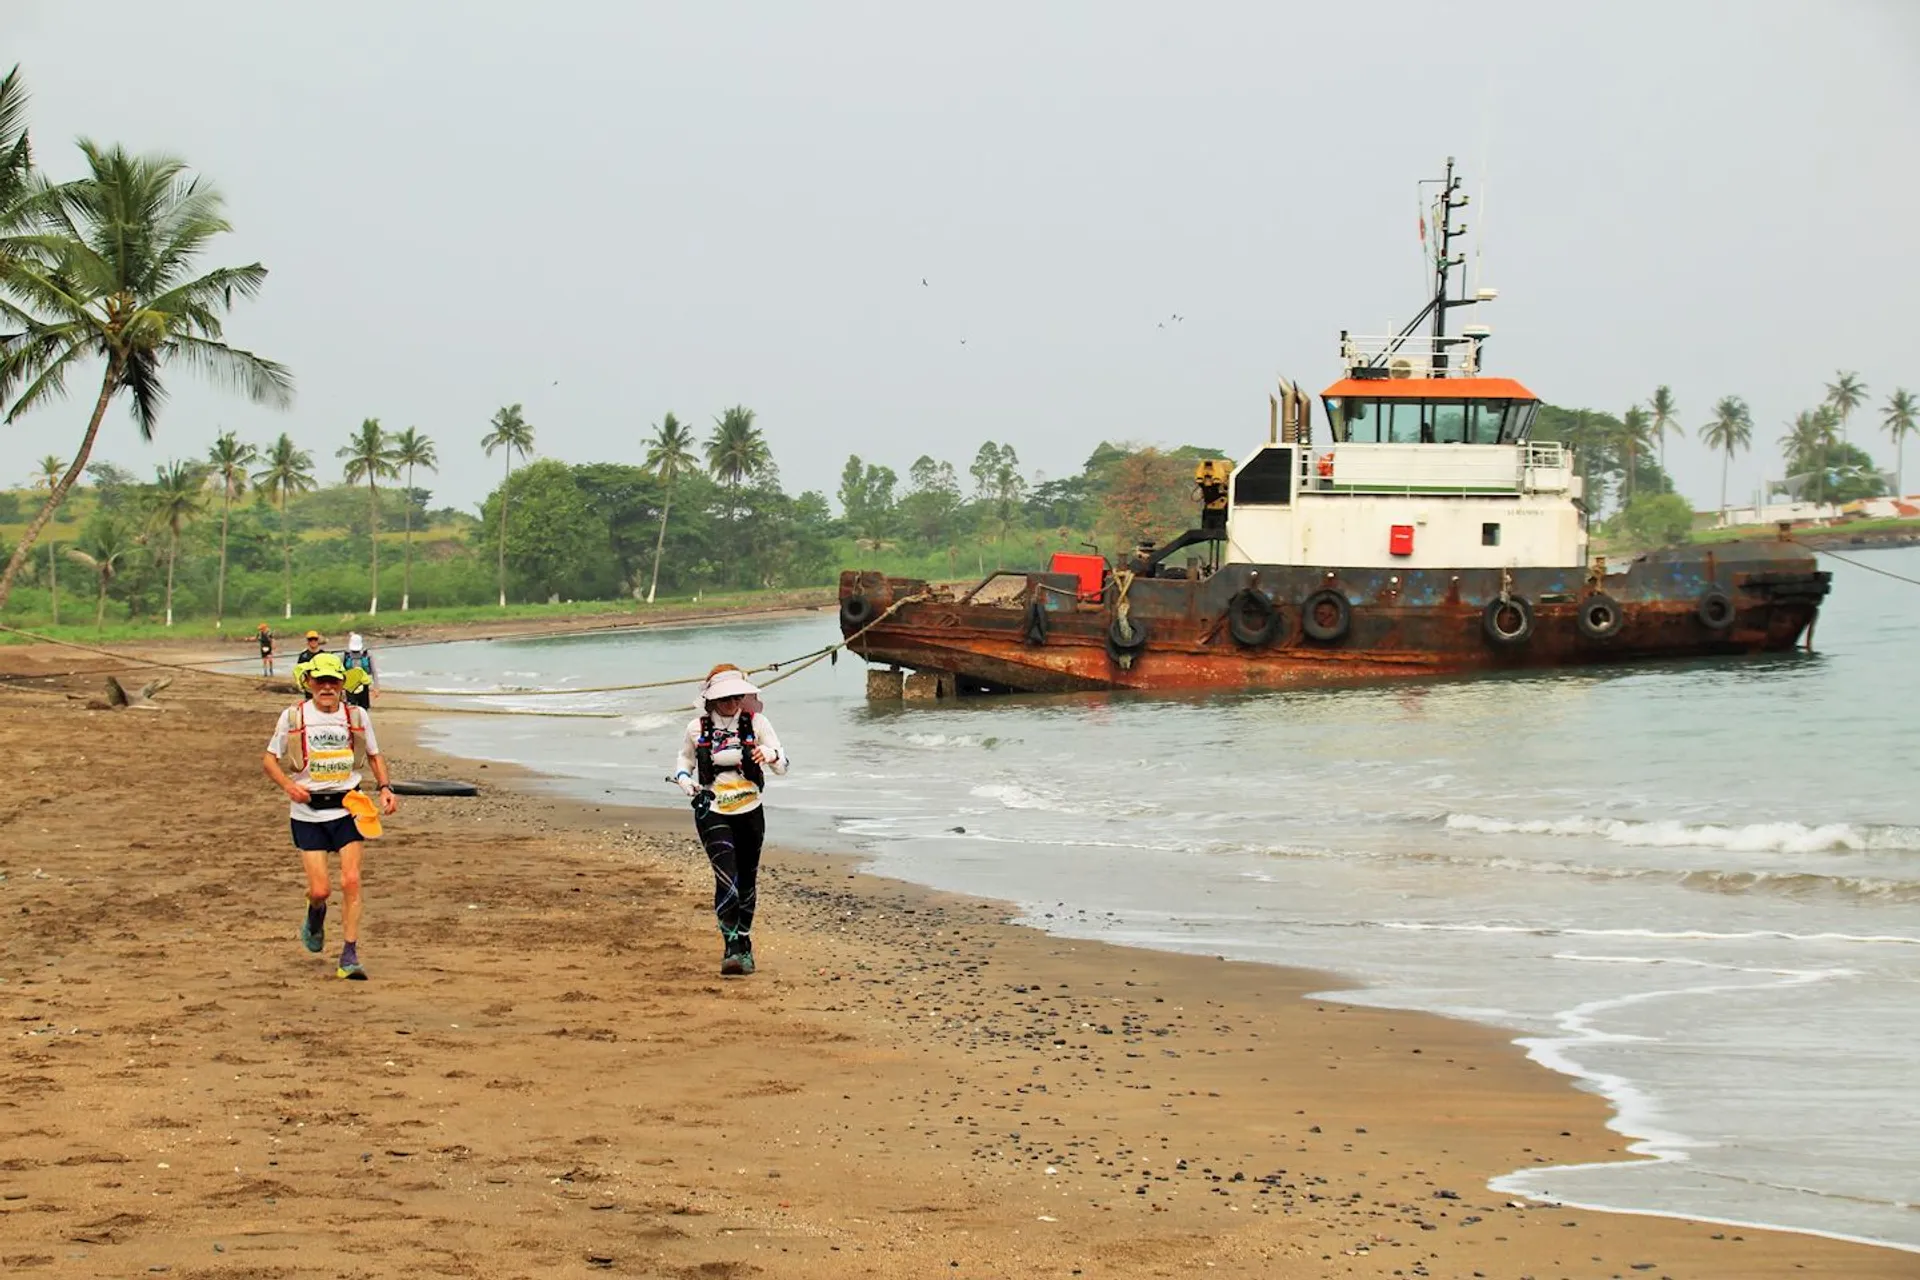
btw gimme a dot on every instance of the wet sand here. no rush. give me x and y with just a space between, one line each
547 1076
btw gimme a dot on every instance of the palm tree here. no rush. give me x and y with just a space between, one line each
1636 426
370 457
1666 420
410 450
513 433
1845 394
289 471
48 476
116 283
669 456
230 460
736 452
1730 431
19 194
1805 445
1899 422
103 546
177 499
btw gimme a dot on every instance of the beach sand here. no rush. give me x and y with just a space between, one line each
546 1075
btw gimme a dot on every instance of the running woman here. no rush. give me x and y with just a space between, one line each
266 650
724 759
317 754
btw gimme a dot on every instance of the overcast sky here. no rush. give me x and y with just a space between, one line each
606 211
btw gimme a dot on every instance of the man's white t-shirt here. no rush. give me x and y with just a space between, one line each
329 755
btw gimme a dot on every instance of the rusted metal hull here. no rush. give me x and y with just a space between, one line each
1036 636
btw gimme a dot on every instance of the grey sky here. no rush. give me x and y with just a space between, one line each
609 210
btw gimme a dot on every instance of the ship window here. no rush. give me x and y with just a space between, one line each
1449 423
1487 418
1405 428
1490 535
1355 420
1520 422
1267 479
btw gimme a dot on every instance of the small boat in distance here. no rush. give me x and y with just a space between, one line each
1419 531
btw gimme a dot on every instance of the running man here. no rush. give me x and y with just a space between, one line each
305 659
266 650
358 661
318 752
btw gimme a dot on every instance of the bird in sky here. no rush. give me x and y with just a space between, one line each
923 282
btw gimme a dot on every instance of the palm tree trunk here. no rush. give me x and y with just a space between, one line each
503 527
59 494
658 544
373 532
53 583
1723 485
406 572
100 609
286 557
220 585
173 553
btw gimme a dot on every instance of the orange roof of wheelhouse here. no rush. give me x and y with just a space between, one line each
1431 389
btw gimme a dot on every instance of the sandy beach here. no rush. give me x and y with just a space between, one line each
547 1076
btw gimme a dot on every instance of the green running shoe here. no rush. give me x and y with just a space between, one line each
310 938
351 970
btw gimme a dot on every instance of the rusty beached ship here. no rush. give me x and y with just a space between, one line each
1419 531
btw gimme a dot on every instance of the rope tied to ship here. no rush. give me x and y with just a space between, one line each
783 669
1885 573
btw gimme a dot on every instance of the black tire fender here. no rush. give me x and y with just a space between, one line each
856 611
1716 610
1599 617
435 787
1117 641
1326 615
1252 619
1037 624
1508 622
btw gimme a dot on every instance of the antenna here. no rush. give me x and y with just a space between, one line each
1486 164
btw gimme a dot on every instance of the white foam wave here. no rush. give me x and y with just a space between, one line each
1672 935
1757 837
934 741
643 723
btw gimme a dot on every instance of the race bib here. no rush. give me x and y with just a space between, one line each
734 795
329 757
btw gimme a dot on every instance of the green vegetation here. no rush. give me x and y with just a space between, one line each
101 268
105 269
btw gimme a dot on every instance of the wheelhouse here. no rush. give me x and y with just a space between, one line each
1429 411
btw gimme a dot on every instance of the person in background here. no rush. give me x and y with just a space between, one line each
723 764
305 659
319 751
359 664
266 650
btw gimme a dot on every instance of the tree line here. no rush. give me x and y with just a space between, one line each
106 270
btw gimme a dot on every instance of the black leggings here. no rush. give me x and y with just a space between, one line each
733 850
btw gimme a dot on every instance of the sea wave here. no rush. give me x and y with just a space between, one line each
1756 837
938 741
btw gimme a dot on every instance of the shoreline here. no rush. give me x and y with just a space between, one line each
531 1072
1328 985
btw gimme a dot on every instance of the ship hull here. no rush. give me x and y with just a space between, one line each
1032 633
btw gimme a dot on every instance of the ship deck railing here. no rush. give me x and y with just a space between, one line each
1412 356
1458 470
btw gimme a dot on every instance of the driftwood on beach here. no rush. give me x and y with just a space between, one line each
117 695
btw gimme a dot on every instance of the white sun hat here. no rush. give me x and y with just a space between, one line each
355 644
728 684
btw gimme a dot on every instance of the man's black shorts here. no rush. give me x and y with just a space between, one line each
326 837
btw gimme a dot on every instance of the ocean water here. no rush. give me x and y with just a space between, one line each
1693 888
